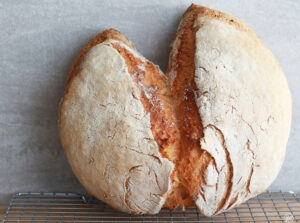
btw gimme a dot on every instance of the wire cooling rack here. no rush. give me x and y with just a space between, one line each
72 207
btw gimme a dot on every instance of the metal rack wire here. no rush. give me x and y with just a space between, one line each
72 207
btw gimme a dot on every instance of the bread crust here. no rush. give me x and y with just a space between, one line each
111 90
234 80
99 38
212 133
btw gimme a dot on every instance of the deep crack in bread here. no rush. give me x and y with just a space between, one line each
211 132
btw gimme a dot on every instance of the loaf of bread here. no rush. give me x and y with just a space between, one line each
210 133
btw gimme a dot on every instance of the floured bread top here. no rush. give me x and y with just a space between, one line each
107 136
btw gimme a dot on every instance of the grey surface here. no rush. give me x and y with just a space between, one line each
40 39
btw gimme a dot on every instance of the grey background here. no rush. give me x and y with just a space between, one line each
40 39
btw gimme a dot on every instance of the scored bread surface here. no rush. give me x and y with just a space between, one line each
212 133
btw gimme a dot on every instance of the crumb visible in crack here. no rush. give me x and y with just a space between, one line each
198 94
203 68
134 168
91 160
202 195
156 158
152 155
134 96
148 138
249 180
222 168
250 126
232 202
249 148
112 136
156 195
213 160
239 180
126 187
157 182
229 166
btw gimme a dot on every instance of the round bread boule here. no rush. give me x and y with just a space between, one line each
211 133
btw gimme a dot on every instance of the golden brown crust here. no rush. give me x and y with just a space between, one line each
192 160
155 97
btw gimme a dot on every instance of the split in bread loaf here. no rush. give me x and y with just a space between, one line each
210 133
